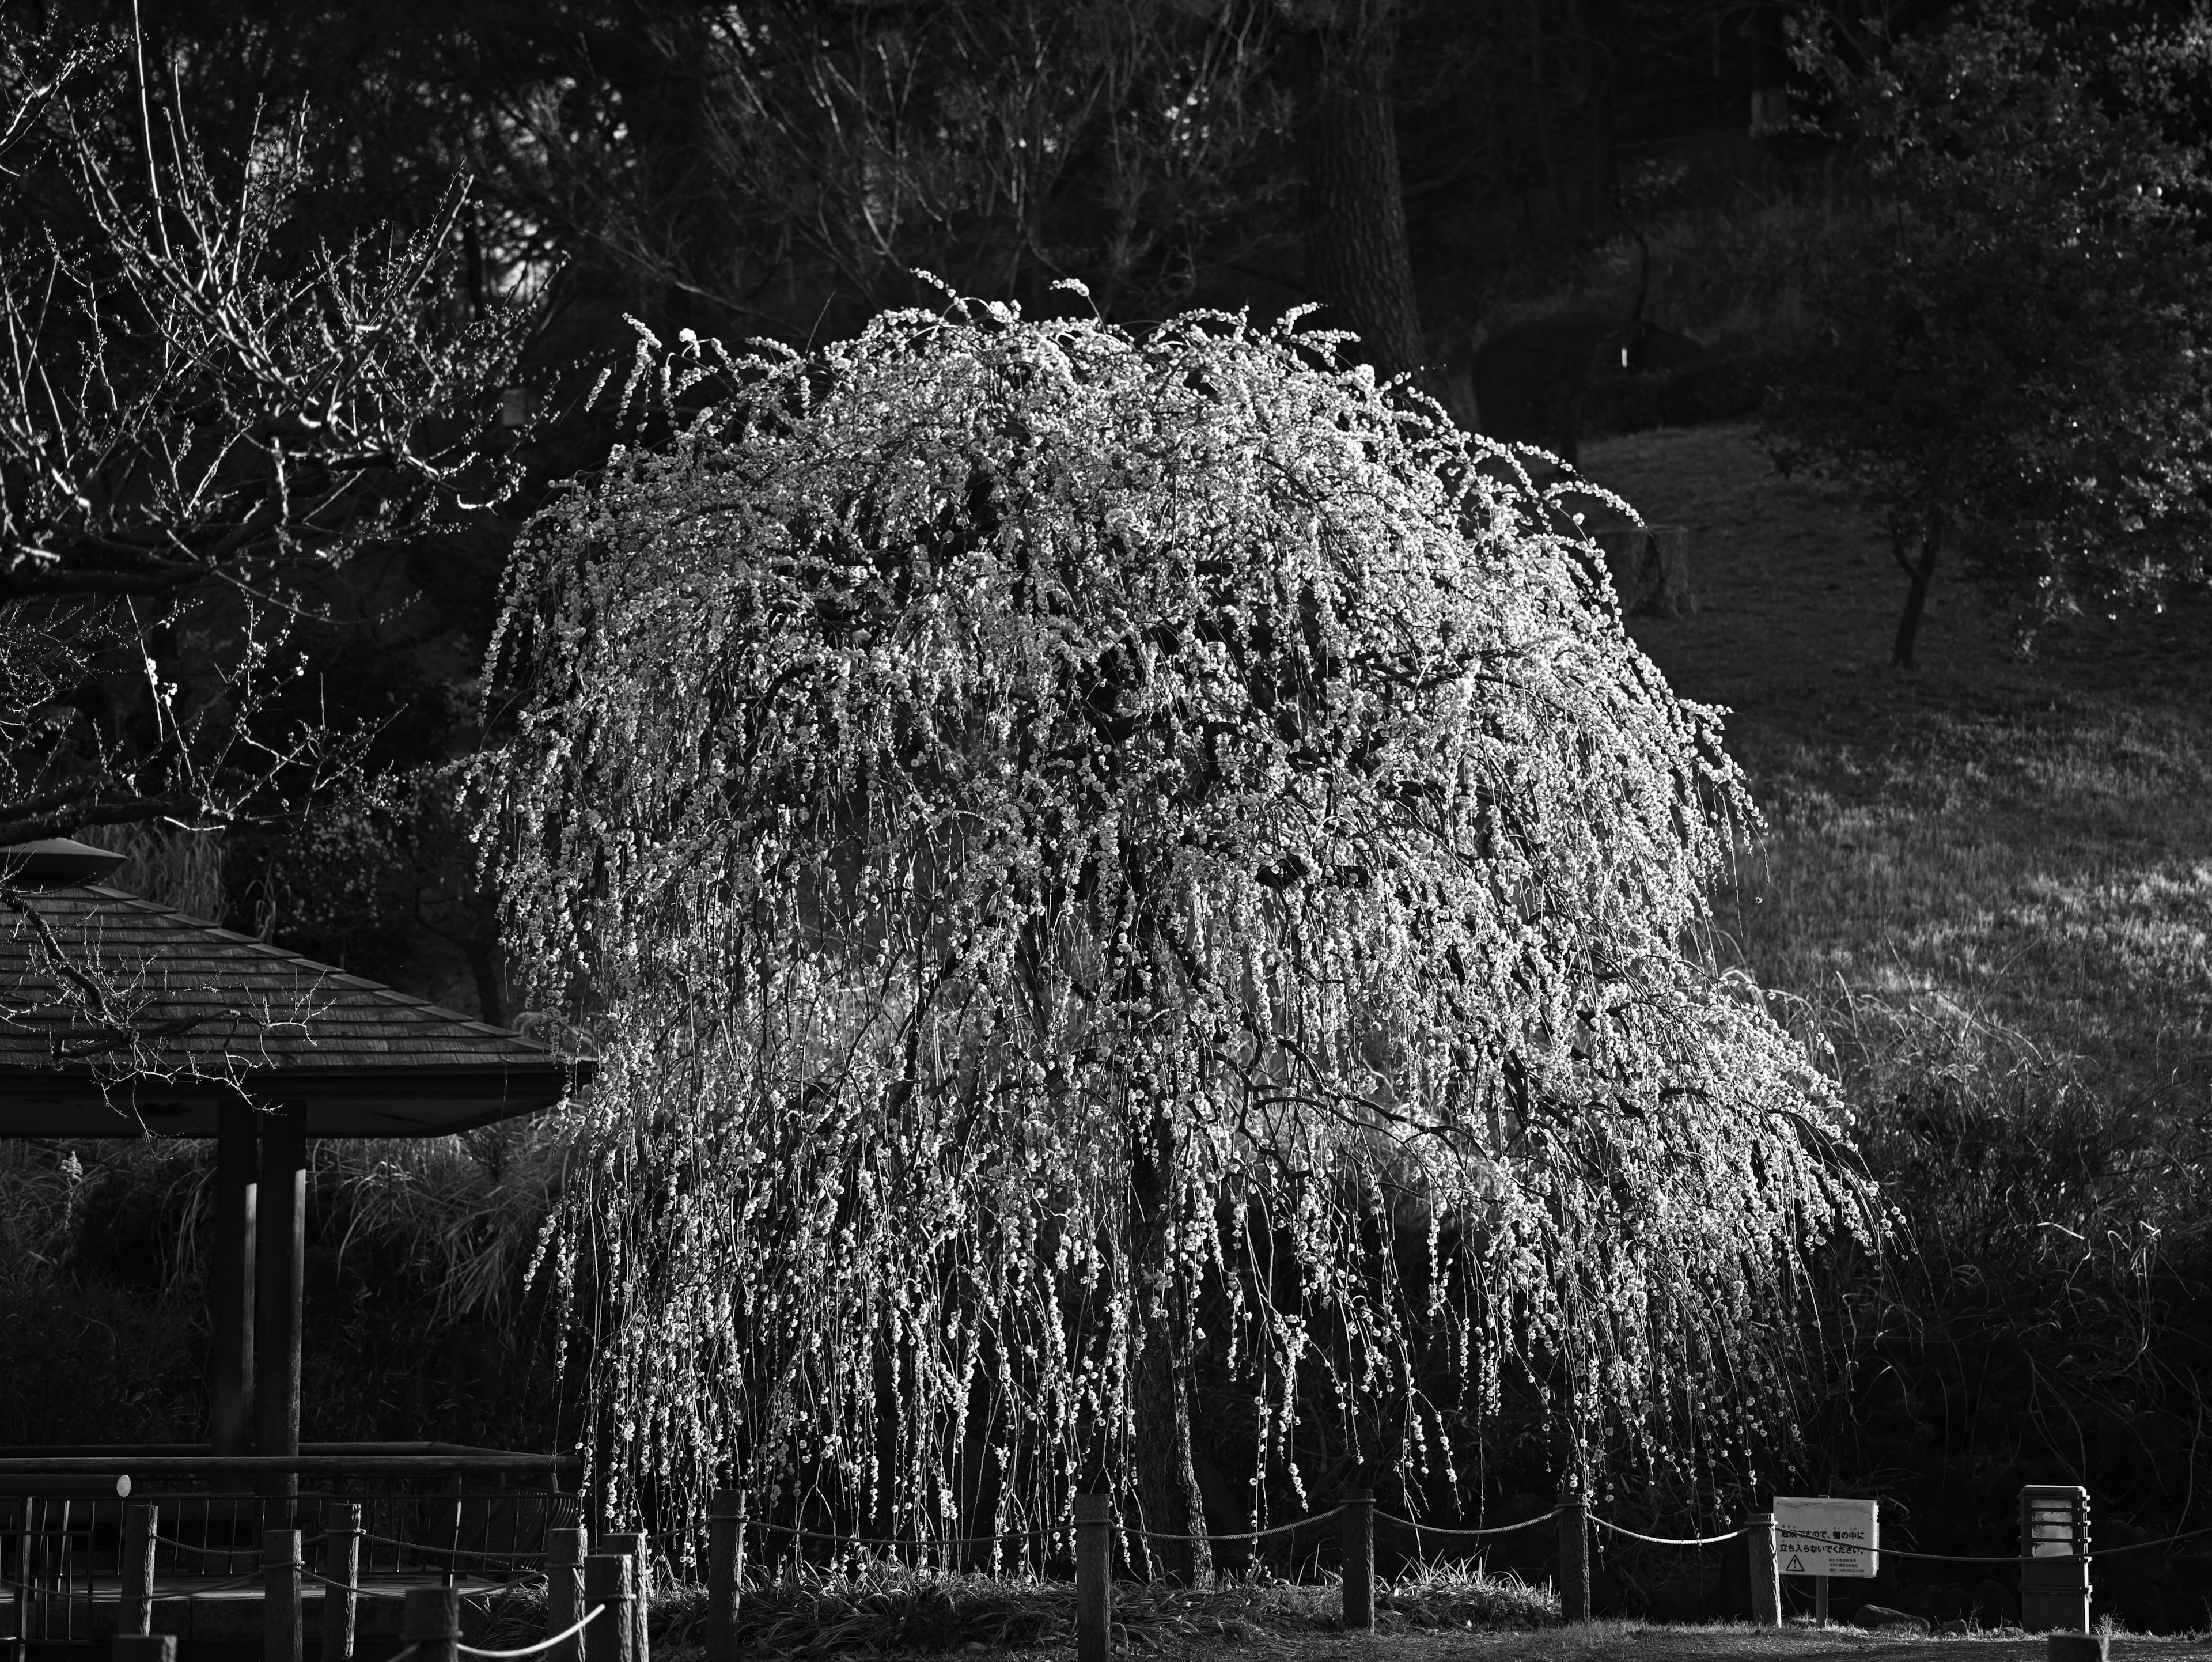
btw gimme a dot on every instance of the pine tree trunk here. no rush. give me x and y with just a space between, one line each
1915 597
1167 1481
1357 262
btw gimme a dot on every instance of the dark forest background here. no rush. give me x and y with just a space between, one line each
1433 172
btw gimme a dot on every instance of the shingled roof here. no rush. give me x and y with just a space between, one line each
120 1017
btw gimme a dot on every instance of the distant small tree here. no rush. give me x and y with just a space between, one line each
2018 335
1055 829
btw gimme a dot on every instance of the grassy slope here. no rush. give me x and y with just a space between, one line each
2005 848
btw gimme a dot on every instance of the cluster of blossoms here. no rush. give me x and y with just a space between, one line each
1084 847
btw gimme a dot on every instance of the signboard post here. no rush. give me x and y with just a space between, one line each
1821 1536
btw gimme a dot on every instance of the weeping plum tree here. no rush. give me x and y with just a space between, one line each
1054 827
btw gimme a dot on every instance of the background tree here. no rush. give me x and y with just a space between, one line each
204 421
1056 830
2014 363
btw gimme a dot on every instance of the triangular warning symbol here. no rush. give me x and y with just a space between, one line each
1792 1568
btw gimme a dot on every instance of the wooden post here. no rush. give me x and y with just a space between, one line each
1574 1557
1094 1577
430 1623
280 1595
726 1558
564 1590
135 1618
1356 1524
230 1287
279 1243
145 1647
1759 1542
640 1548
1820 1601
451 1528
341 1565
27 1613
606 1588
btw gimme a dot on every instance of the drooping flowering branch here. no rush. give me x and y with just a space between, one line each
1055 828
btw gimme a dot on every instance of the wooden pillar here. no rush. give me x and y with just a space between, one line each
1094 1578
430 1623
279 1244
1574 1557
135 1614
725 1572
230 1290
1759 1541
564 1593
1356 1526
280 1596
640 1548
341 1566
607 1589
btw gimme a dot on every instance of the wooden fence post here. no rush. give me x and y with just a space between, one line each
430 1623
1574 1557
564 1591
606 1588
640 1548
1356 1524
726 1558
1759 1543
145 1647
135 1618
341 1567
1094 1577
280 1595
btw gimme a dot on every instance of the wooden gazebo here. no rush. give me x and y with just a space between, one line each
123 1018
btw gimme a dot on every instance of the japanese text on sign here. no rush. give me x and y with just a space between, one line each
1822 1536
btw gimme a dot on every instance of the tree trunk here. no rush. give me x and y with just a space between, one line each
1915 597
1167 1481
1357 262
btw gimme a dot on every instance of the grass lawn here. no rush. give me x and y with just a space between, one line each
2010 858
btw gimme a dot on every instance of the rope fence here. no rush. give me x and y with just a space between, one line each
1468 1534
543 1645
582 1585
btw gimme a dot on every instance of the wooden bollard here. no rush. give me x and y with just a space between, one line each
135 1618
341 1577
640 1548
430 1623
1356 1524
1759 1541
145 1647
280 1640
1574 1557
1094 1577
725 1562
607 1589
564 1591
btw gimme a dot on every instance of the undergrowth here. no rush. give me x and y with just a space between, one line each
875 1608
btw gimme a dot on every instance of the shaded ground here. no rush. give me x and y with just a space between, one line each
1629 1642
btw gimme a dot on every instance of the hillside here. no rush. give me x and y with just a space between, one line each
1982 840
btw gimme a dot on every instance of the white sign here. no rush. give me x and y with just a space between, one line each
1821 1537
